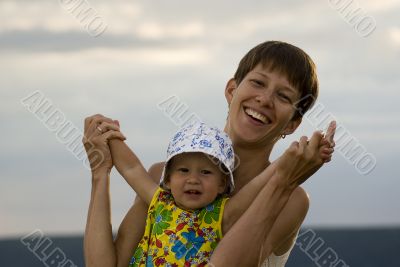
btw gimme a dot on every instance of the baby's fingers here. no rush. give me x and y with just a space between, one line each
330 133
111 134
326 154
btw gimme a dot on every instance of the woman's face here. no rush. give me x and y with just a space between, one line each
261 107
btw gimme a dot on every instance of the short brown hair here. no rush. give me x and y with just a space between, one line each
290 61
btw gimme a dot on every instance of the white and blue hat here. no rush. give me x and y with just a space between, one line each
199 137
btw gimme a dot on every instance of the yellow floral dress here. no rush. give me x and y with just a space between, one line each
174 237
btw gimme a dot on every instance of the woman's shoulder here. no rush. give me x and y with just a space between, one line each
288 223
301 196
155 170
296 208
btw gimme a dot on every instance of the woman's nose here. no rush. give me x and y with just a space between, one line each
265 98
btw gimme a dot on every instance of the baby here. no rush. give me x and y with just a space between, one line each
185 213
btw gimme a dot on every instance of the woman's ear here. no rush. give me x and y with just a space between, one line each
229 90
292 126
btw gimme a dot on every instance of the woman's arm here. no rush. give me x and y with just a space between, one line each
99 248
239 203
245 242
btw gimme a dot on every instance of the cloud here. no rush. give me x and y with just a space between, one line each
380 6
47 41
394 35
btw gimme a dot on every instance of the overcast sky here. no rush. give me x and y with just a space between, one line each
127 57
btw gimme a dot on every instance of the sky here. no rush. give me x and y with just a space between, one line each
127 59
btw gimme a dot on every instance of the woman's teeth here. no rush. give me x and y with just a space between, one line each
256 115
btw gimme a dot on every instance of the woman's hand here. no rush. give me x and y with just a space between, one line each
303 158
97 132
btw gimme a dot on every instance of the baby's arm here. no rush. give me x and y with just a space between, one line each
130 167
240 202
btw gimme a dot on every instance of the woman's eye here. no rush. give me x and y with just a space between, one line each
257 83
285 97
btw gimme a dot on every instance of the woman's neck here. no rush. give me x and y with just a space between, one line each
250 163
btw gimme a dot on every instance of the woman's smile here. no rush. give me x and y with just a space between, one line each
257 116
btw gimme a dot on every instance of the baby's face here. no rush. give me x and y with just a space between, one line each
194 180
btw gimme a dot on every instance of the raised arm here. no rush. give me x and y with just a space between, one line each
99 249
244 242
248 242
240 202
130 167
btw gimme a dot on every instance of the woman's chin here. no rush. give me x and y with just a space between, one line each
242 132
246 136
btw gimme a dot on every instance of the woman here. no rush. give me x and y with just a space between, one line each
274 85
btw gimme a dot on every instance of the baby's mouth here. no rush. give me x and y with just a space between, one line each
192 192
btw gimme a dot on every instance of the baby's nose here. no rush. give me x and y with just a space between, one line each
193 179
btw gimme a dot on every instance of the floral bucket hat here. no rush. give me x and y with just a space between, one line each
199 137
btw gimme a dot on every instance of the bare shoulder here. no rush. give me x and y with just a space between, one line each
300 200
155 171
289 221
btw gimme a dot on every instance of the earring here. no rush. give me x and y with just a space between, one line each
283 136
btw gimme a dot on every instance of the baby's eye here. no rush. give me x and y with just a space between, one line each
205 172
183 170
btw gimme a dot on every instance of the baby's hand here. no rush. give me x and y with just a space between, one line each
327 143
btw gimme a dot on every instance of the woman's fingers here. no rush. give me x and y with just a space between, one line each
315 140
98 131
302 144
94 126
305 157
97 122
97 126
89 120
106 126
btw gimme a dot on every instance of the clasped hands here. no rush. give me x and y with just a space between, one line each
304 157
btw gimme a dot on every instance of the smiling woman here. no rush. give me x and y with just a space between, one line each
275 84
